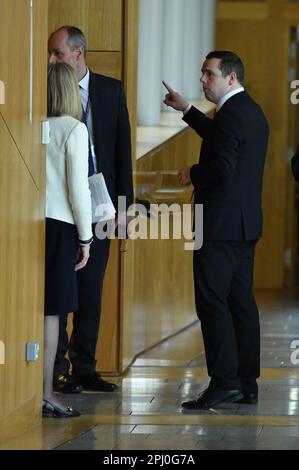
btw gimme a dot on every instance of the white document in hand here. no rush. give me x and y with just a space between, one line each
101 204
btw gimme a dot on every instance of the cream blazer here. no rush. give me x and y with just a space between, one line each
67 189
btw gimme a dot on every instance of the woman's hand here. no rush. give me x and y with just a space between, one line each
82 256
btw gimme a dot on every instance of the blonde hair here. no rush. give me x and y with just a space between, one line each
63 91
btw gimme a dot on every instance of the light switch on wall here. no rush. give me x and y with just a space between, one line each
32 351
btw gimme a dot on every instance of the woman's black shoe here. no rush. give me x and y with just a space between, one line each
52 411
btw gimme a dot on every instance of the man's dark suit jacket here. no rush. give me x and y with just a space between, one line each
228 178
112 135
295 165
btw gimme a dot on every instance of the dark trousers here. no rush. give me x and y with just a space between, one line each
226 307
86 320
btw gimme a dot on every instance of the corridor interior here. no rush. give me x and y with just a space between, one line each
145 413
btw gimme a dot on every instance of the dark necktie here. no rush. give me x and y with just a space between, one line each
91 170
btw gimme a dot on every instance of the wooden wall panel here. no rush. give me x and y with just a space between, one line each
100 20
127 261
160 271
19 271
106 63
247 11
21 216
264 54
131 19
128 320
180 151
163 295
39 87
109 334
105 25
21 278
15 110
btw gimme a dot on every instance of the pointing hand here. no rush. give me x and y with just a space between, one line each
174 99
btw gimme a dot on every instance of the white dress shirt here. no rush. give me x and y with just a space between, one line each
221 101
227 96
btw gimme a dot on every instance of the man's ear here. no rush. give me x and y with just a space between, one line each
233 78
79 53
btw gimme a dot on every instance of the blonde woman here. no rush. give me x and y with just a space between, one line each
68 217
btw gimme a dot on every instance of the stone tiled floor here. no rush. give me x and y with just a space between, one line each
146 414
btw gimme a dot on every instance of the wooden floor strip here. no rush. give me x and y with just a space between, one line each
194 419
174 373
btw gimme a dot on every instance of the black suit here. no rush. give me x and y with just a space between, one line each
111 130
228 182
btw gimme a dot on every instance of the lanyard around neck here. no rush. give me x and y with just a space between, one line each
86 112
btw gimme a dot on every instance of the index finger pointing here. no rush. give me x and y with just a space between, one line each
168 88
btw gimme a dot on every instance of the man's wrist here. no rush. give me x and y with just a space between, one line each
188 107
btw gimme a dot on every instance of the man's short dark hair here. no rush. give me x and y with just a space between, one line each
229 62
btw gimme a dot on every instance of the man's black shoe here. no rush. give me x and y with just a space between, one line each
64 383
211 398
249 399
94 382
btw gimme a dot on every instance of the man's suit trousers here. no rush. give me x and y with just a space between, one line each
226 307
86 320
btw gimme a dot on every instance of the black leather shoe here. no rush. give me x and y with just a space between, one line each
211 398
64 383
52 411
93 382
249 399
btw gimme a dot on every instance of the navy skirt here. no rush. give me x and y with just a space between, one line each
61 294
